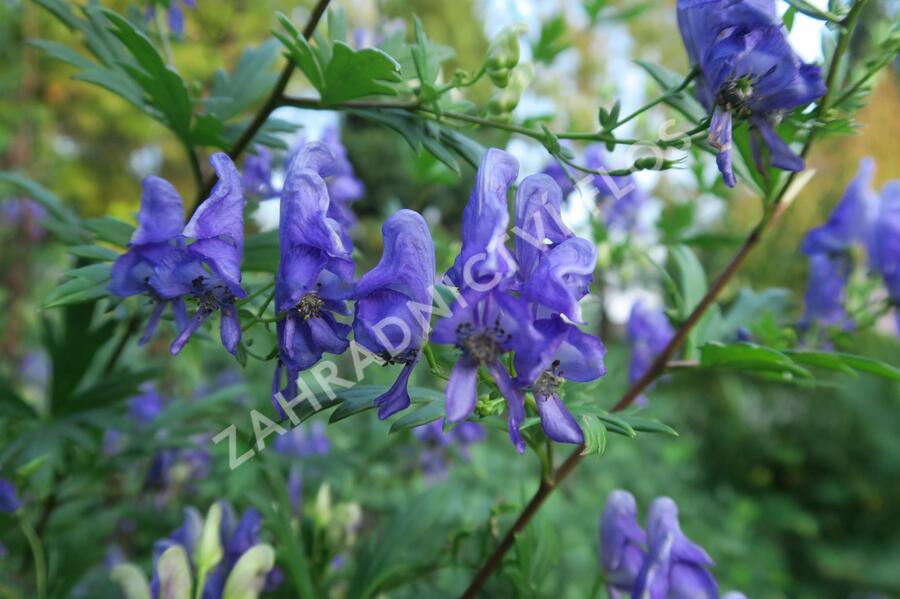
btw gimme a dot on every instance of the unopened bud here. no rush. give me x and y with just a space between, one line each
503 54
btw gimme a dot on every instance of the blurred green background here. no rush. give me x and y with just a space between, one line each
794 492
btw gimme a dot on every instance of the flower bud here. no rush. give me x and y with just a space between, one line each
131 581
209 549
248 577
504 101
503 54
174 572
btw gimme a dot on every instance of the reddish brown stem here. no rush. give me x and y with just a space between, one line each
273 102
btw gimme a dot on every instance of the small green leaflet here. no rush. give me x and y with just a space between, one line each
80 285
339 72
594 435
790 363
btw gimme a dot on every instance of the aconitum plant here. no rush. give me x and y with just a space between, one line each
374 290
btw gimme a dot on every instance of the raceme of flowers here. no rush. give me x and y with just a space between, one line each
863 218
747 71
220 556
523 300
657 564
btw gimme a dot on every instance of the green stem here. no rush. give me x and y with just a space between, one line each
669 94
164 37
37 552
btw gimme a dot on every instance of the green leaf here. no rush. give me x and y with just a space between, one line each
552 40
358 73
301 53
684 102
61 220
249 81
844 363
649 425
356 400
80 285
162 84
110 229
93 253
261 252
594 435
428 412
750 357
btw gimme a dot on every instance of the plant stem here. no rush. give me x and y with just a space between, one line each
672 92
37 552
788 192
274 101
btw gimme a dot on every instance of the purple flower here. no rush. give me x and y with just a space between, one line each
556 269
826 290
648 333
303 441
393 302
748 70
556 171
622 543
620 197
435 442
25 216
484 259
315 275
174 14
344 186
484 326
208 270
257 175
157 238
851 219
674 566
884 247
144 408
9 498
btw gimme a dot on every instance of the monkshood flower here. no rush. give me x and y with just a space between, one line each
619 197
393 302
622 543
436 444
648 333
23 215
484 260
221 556
851 220
485 325
556 171
157 236
209 268
302 441
555 270
174 14
748 70
9 498
884 248
674 566
257 174
826 291
145 407
315 275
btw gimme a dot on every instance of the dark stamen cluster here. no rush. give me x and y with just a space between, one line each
484 345
210 297
404 357
735 95
549 381
309 306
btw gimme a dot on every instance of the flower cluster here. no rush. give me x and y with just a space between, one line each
648 333
161 264
657 564
748 70
862 218
436 443
221 554
522 302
